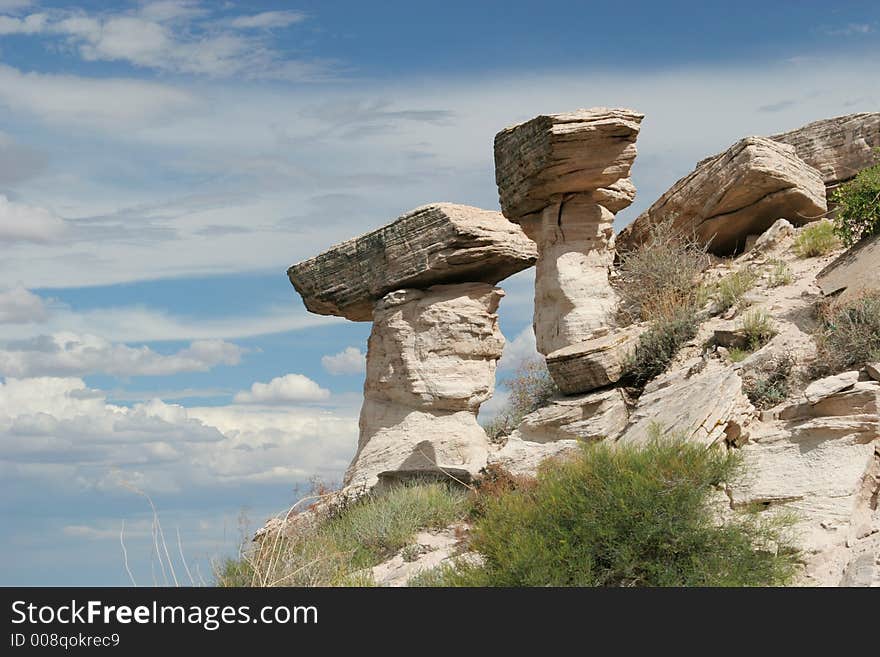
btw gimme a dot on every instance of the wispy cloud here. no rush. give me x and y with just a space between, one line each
848 30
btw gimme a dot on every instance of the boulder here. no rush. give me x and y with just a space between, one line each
855 271
431 362
734 194
829 385
581 151
700 400
596 362
873 370
595 416
838 148
433 244
773 236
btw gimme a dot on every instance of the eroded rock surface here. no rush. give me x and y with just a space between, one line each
735 194
854 271
433 244
597 415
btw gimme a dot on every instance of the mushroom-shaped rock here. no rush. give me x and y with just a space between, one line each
738 193
433 244
562 177
838 148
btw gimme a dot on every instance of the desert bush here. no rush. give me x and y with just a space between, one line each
858 206
625 516
758 328
780 273
770 383
730 290
738 355
815 239
849 334
531 387
337 548
657 347
494 482
661 276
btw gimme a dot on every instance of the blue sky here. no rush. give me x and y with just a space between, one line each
163 163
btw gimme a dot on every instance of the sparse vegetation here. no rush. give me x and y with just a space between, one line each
531 387
849 334
815 239
625 516
737 355
338 547
661 276
858 206
657 347
758 328
780 273
770 382
729 291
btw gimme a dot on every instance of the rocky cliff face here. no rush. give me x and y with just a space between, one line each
427 281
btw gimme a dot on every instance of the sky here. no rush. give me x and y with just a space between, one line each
163 162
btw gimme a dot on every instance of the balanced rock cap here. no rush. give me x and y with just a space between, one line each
580 151
430 245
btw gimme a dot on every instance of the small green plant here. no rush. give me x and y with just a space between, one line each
656 348
339 547
730 290
780 273
531 387
771 382
738 355
625 516
858 206
661 276
815 239
849 334
758 328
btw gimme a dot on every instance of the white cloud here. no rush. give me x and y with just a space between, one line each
350 360
27 223
60 433
522 348
20 306
283 390
68 354
33 24
268 19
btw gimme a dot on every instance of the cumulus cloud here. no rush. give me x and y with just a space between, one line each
283 390
350 360
522 348
27 223
57 431
20 306
72 354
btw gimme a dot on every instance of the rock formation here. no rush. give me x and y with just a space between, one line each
561 177
433 244
735 194
427 283
837 148
854 271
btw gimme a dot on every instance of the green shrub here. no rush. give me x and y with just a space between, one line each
338 548
661 276
815 239
737 355
624 516
758 328
730 290
771 382
657 347
858 206
849 334
780 273
531 387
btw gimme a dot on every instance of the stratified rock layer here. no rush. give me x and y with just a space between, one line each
837 148
430 364
582 151
854 271
600 415
434 244
736 194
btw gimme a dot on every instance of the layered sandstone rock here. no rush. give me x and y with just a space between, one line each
736 194
562 176
433 244
595 362
838 148
598 415
430 364
854 271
